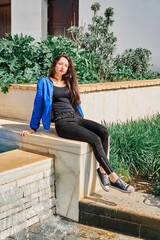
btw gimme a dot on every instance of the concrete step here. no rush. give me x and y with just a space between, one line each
136 214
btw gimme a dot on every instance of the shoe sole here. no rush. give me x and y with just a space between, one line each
101 183
122 190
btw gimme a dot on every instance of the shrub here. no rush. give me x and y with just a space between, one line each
18 61
135 148
23 61
121 73
138 60
98 40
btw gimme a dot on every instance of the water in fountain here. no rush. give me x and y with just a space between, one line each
6 148
58 228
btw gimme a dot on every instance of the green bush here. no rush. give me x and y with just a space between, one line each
138 61
135 148
121 73
98 40
23 61
83 62
18 61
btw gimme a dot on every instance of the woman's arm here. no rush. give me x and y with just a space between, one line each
78 109
37 110
38 107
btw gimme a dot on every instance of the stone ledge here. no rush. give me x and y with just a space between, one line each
93 87
112 102
17 159
18 164
74 163
117 85
42 141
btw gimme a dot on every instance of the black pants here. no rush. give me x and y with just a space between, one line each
72 126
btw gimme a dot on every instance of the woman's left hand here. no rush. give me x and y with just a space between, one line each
26 132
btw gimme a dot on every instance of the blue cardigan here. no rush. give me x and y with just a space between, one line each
43 104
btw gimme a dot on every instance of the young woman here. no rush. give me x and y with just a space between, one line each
59 93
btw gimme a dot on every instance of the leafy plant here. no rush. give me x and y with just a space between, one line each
23 61
138 60
121 73
101 43
54 46
18 63
135 148
98 40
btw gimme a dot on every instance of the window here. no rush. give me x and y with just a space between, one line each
61 15
5 17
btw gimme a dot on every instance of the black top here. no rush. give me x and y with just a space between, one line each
61 101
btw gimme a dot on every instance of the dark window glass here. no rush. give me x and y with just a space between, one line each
61 15
5 17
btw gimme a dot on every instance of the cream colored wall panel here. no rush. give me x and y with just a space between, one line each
137 24
30 18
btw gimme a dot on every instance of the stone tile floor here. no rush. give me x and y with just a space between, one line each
57 228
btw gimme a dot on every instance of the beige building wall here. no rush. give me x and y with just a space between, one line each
137 23
29 17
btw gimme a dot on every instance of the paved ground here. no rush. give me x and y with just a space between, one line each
60 229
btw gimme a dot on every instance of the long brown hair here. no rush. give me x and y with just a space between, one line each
70 78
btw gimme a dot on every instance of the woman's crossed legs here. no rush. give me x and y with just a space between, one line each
97 136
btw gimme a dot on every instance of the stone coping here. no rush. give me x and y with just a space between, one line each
93 87
17 164
42 140
17 158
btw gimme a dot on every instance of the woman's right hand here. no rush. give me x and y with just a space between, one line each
26 132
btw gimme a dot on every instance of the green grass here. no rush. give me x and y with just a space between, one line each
135 149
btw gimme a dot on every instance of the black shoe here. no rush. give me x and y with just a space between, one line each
103 178
122 186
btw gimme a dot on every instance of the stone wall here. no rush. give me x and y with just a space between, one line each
26 201
112 101
121 101
75 164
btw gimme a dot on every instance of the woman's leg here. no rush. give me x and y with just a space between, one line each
74 131
101 131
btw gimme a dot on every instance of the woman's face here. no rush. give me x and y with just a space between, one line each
61 66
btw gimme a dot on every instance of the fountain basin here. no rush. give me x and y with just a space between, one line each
27 193
75 165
